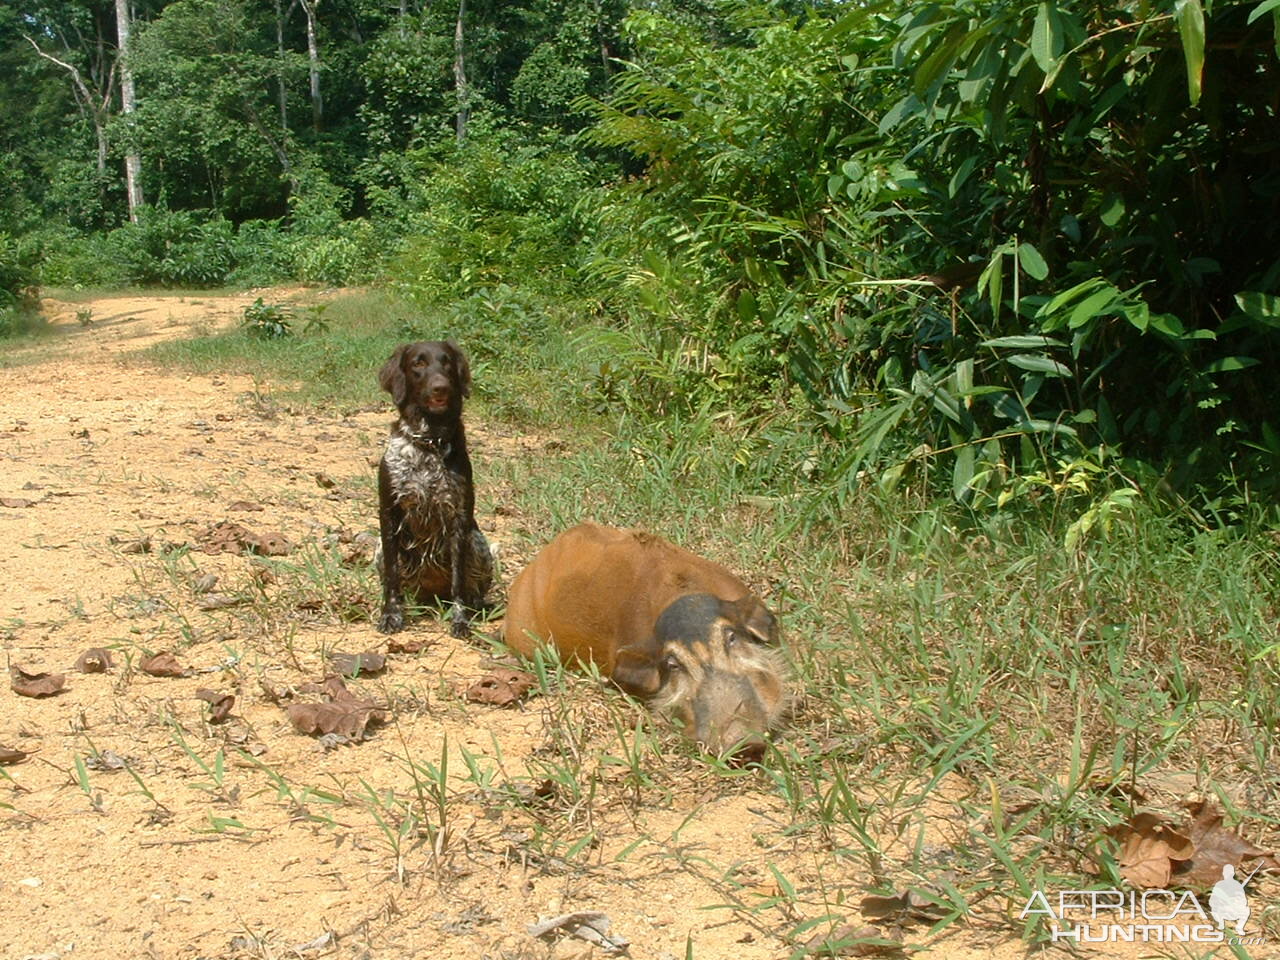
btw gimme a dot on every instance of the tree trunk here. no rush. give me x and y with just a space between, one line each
87 102
281 94
128 103
606 56
460 75
309 7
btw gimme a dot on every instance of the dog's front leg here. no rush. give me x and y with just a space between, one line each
460 561
390 524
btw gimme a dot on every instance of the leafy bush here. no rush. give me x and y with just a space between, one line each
262 253
174 248
351 255
989 243
495 209
17 276
264 321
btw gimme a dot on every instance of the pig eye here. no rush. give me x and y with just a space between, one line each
730 638
670 663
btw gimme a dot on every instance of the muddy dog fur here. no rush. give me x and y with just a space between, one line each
430 542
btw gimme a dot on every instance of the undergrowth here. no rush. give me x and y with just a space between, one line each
978 695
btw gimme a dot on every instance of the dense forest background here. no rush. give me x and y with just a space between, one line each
1016 253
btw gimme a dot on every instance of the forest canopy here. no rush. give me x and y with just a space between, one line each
1008 251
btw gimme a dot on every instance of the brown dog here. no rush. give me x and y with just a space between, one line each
426 497
662 623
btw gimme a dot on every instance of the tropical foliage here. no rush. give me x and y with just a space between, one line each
1015 253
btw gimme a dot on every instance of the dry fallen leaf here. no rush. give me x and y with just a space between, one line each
220 704
406 646
348 718
16 503
228 537
1148 848
589 925
344 715
356 664
269 544
94 660
220 601
162 664
35 684
245 506
138 545
851 941
9 756
1215 847
204 583
501 688
907 905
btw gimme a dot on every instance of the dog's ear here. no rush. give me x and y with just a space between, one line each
464 368
391 376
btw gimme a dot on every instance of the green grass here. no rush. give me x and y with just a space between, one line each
521 350
943 661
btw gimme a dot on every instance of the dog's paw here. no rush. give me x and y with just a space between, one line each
460 628
392 621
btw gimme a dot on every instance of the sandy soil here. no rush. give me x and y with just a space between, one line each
249 839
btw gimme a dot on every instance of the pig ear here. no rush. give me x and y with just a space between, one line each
464 368
760 623
391 376
636 675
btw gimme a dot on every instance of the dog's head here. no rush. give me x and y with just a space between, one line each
427 379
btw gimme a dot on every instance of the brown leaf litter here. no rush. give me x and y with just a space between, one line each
35 684
228 537
1152 852
94 660
162 664
344 714
501 688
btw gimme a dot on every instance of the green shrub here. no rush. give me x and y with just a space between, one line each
351 255
495 209
267 321
262 253
172 248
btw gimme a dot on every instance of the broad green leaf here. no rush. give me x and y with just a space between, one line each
1167 324
992 280
1230 364
1190 17
962 174
1046 38
1089 308
1032 262
1071 293
962 473
1264 7
1262 307
747 306
1039 363
1022 342
1112 209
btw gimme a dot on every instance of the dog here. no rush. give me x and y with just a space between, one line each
426 496
663 624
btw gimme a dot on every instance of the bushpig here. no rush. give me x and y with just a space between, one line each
664 624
